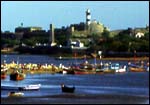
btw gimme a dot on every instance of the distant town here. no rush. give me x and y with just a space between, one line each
83 38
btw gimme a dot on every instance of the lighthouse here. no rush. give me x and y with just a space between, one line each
88 18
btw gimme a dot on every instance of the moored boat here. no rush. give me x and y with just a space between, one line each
136 68
31 87
3 75
67 89
85 68
15 94
17 76
21 88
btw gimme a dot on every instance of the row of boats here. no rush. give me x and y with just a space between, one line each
86 68
82 68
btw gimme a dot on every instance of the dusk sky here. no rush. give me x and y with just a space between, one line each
113 14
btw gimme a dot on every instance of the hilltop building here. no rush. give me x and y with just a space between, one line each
78 33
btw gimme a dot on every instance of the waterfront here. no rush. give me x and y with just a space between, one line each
128 87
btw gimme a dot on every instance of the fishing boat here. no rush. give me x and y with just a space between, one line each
27 87
121 70
85 68
15 94
99 69
68 70
117 68
136 68
108 69
31 87
3 75
67 89
17 75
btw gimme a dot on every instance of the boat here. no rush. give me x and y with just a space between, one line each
30 87
117 68
15 94
136 68
4 68
121 70
108 69
21 88
67 89
99 69
84 71
17 76
3 75
85 68
68 71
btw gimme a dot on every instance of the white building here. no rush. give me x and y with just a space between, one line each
139 35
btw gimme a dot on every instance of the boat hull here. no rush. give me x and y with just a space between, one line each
17 77
68 89
134 69
84 72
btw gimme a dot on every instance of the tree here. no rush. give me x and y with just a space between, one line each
105 33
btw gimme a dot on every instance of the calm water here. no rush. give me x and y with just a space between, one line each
124 84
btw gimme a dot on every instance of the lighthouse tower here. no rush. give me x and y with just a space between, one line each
88 18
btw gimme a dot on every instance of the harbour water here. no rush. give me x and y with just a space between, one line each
132 84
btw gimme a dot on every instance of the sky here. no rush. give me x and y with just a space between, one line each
113 14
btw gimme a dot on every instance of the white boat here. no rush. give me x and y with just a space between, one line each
121 70
28 87
15 94
31 87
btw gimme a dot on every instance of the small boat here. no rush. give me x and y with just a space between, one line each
136 68
121 70
3 75
17 76
67 89
31 87
21 88
68 71
15 94
85 68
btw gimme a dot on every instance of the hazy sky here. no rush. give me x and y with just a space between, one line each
113 14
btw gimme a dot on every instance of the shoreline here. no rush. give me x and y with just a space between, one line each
78 99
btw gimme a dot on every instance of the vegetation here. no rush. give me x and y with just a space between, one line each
120 41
